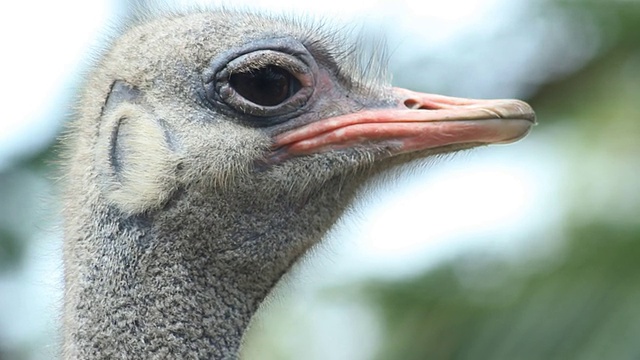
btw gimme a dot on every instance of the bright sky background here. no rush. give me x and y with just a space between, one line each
42 51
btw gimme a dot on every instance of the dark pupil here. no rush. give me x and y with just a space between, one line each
268 86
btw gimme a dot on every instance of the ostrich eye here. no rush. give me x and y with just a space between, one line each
267 86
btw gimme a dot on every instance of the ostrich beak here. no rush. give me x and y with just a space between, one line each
417 122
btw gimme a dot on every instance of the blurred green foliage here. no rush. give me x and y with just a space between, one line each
19 204
608 83
584 304
11 249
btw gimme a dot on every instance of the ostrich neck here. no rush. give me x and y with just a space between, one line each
180 283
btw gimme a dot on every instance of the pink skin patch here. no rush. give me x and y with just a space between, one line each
418 122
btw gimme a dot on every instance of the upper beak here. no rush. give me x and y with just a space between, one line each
418 121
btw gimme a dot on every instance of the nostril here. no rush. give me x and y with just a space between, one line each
412 104
417 105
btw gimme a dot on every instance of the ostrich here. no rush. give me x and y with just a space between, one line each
210 150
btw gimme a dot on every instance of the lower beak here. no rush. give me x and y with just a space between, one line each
419 121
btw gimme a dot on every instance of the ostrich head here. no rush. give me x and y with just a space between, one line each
210 151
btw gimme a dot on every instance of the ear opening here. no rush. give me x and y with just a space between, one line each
136 158
121 92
